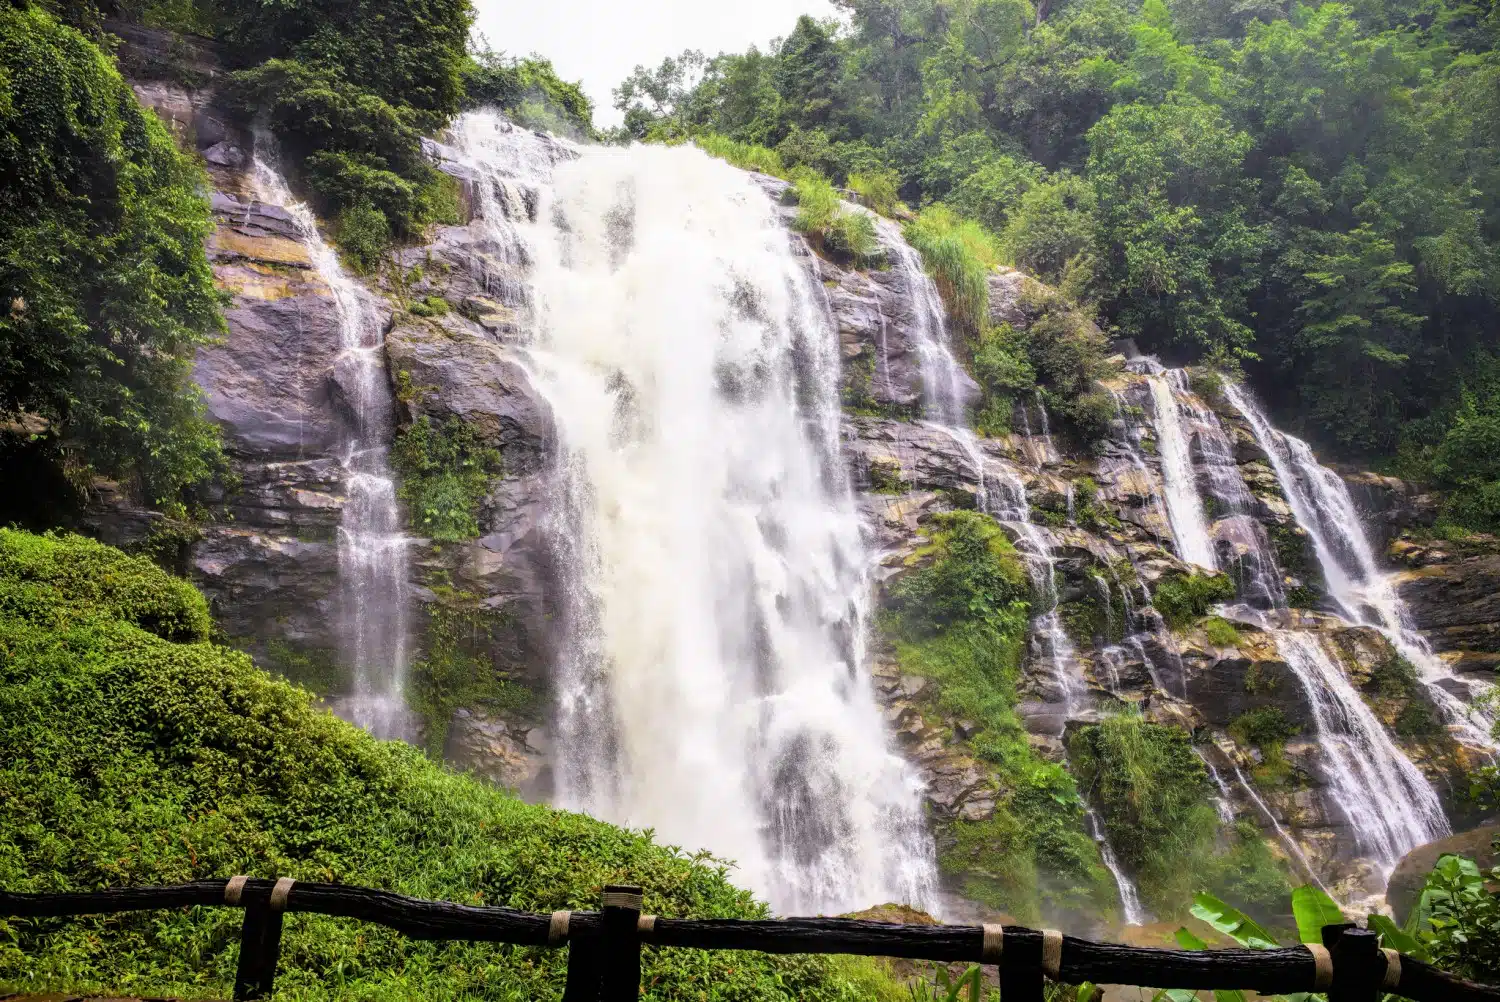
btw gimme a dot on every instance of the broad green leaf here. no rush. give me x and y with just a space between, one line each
1233 995
1314 909
1396 938
1088 991
1232 922
1189 940
1175 995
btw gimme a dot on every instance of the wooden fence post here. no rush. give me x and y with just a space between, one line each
1357 966
621 944
1021 967
260 943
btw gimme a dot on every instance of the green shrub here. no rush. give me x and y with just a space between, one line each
429 306
1153 796
969 571
1221 632
529 91
1183 598
445 473
959 254
57 580
129 760
363 235
1458 919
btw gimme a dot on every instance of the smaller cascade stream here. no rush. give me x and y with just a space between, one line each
1364 593
1388 803
1184 505
1001 494
373 559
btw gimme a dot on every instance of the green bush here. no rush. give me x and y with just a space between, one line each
363 235
107 290
130 760
1154 795
58 580
1183 598
1458 919
445 472
1221 632
529 91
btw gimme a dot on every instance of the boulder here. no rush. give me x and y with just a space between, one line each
1406 882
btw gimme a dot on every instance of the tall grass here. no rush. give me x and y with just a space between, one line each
825 218
747 156
959 254
878 188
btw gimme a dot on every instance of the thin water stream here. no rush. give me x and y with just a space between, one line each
372 546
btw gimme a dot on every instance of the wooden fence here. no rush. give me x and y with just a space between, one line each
604 947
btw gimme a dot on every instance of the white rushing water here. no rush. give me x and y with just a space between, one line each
1134 912
1390 805
1364 593
372 547
712 684
1184 504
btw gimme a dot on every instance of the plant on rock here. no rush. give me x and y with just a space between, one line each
445 471
1183 598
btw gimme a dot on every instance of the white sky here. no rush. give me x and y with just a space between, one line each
601 41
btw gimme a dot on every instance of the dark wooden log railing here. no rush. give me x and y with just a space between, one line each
604 947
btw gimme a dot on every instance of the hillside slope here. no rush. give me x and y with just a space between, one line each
133 751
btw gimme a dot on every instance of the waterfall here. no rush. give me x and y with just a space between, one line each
1130 895
712 680
1184 505
1390 806
1321 502
372 548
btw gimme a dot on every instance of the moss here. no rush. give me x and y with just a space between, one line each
1267 730
470 657
313 668
445 473
429 306
1183 598
1154 798
132 760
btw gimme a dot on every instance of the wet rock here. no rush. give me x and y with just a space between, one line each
1411 873
509 753
1453 592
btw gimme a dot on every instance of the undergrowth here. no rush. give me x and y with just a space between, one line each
128 759
959 618
445 471
1153 795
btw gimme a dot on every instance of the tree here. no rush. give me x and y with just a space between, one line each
107 288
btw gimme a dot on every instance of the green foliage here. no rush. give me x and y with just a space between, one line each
959 618
959 254
131 760
363 234
1183 598
429 306
949 988
747 156
1314 909
468 653
880 190
1458 919
54 581
445 472
108 292
827 220
1221 632
1154 797
529 91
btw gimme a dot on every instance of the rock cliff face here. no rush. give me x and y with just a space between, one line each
271 568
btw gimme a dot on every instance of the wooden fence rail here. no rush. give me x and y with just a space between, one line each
604 947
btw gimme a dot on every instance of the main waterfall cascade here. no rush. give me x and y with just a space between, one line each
372 549
712 685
